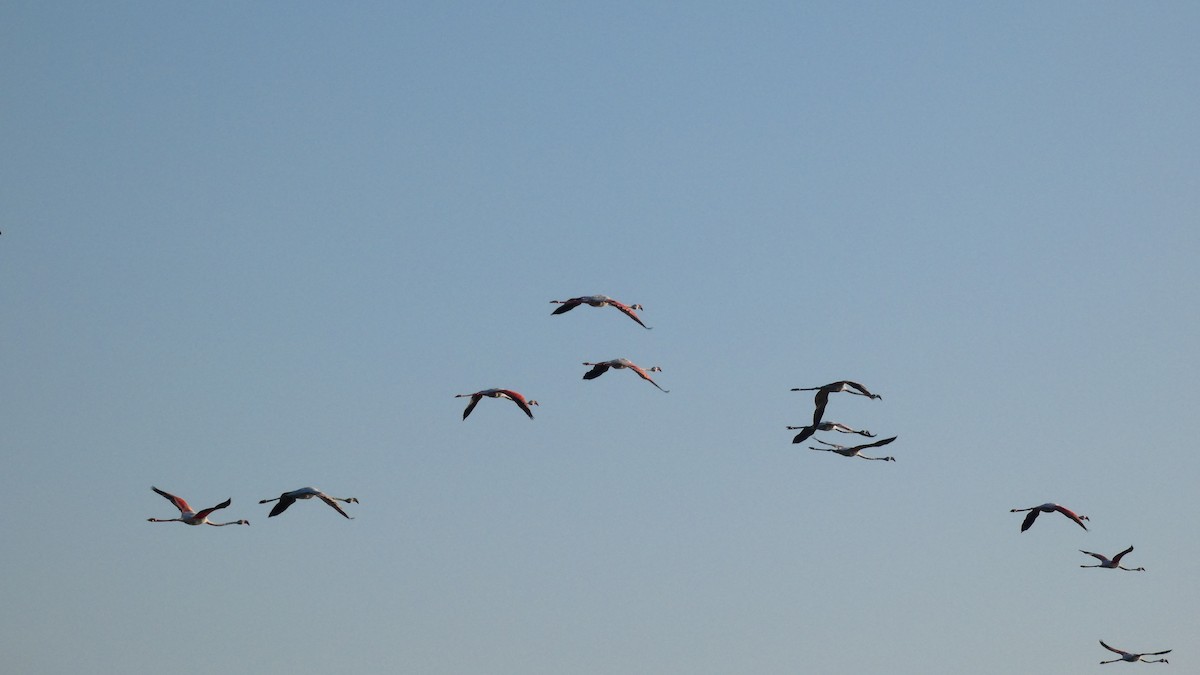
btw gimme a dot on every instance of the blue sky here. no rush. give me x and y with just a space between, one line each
249 247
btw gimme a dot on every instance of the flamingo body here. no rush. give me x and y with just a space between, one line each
599 301
1048 508
1132 657
602 367
288 498
811 429
856 450
848 386
1114 563
189 516
509 394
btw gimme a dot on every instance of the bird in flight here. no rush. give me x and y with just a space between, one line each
1115 563
599 301
1048 508
288 498
811 429
842 385
187 515
498 393
1131 657
857 449
602 367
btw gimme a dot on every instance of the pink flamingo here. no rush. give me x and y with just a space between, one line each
498 393
827 426
847 386
1115 563
856 450
599 301
187 515
1131 657
1048 508
599 369
288 498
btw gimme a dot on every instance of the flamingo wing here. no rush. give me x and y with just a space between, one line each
642 373
204 514
1097 556
596 371
859 387
1115 651
567 305
876 444
332 503
805 432
820 400
284 503
519 400
1117 558
1029 518
1070 514
628 311
1157 653
471 406
179 502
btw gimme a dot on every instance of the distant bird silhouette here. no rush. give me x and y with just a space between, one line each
1048 508
1115 563
187 515
1132 657
599 301
854 451
807 431
288 498
602 367
498 393
841 385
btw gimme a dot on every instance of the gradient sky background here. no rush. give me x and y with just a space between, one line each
249 247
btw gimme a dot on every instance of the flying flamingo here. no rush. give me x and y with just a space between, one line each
827 426
498 393
1115 563
288 498
1132 658
599 369
842 385
1048 508
854 451
599 301
187 515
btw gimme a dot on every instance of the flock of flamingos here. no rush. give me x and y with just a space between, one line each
821 400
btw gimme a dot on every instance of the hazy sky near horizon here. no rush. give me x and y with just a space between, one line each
249 247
